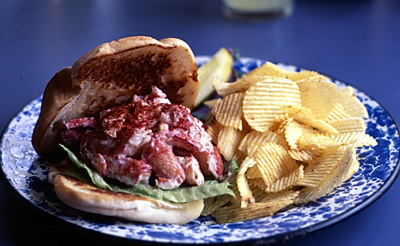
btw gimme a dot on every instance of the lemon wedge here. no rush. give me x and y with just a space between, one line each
220 67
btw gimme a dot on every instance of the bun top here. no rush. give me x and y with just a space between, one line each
111 74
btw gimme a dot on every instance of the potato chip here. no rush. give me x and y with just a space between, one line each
260 138
228 111
248 80
256 183
232 214
213 130
302 75
228 141
351 104
264 100
337 113
352 169
354 124
306 117
288 195
319 96
252 148
213 203
293 130
287 181
273 204
321 167
242 184
240 85
280 129
331 181
268 69
297 109
316 142
356 139
274 162
302 155
346 91
315 123
254 173
279 121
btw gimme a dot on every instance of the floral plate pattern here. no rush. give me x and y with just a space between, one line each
27 174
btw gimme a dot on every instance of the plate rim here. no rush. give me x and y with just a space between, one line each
281 236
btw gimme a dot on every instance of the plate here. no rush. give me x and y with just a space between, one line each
27 174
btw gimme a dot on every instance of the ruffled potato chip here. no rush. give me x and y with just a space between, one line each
286 182
232 214
271 205
254 173
268 69
213 130
225 88
353 124
302 155
302 75
264 100
242 183
337 113
321 167
274 162
331 181
316 142
356 139
256 183
307 117
319 96
293 131
228 110
259 138
351 104
228 141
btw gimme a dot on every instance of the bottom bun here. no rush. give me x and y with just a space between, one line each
91 199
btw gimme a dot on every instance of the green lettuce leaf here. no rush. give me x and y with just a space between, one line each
210 188
95 177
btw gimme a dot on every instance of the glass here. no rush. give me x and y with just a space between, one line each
257 9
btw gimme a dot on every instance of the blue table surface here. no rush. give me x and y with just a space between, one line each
355 41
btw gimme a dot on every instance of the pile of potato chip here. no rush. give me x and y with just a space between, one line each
294 135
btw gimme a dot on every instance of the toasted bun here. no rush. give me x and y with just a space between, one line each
88 198
111 74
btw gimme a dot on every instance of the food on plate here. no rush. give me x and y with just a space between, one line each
122 115
295 139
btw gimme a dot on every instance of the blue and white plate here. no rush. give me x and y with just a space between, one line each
27 174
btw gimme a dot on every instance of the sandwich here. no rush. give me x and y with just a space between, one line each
118 125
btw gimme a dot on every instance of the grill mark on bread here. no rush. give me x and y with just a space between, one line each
142 69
